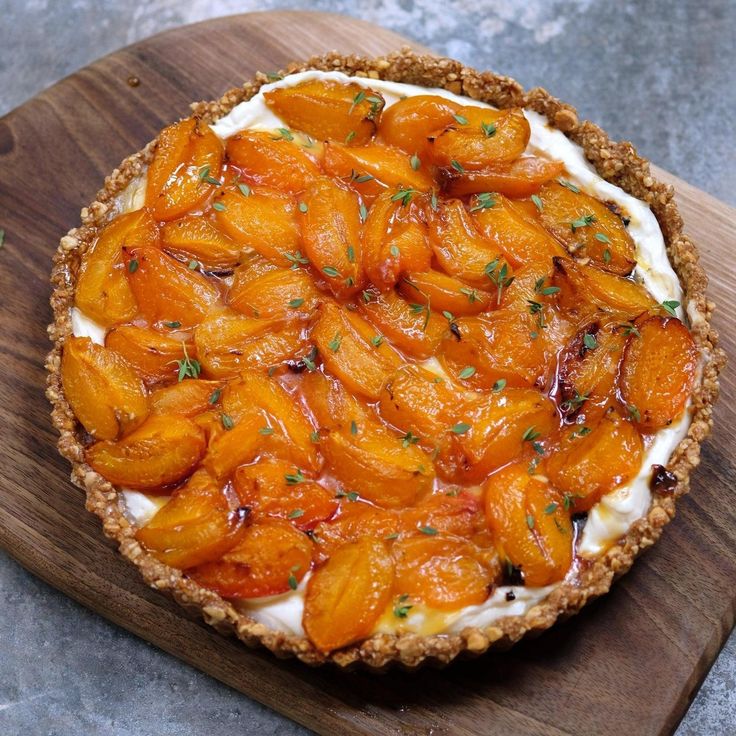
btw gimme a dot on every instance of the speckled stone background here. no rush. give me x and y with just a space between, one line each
657 72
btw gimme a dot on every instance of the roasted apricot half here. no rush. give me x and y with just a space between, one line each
531 523
346 597
197 239
658 371
409 122
328 110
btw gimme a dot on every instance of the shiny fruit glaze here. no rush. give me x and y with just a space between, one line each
384 355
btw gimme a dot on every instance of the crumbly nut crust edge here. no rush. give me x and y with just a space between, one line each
617 162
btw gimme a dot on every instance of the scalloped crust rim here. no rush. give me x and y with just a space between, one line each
616 162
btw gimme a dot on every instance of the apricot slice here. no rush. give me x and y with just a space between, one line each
453 512
278 293
233 441
331 235
416 332
443 571
521 178
154 356
379 465
186 397
393 241
531 524
458 246
587 465
328 110
102 290
415 401
264 220
329 402
658 371
501 346
196 526
589 366
497 430
197 239
267 488
290 431
228 342
162 451
581 287
272 160
507 227
102 388
389 166
168 291
480 137
437 290
345 342
409 122
587 228
271 557
184 170
346 597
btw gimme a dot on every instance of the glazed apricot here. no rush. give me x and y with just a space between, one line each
530 524
416 332
443 571
102 388
438 291
389 166
328 110
268 489
589 366
582 289
228 342
453 512
346 597
330 227
196 526
277 293
458 246
271 160
479 137
588 464
658 371
378 465
416 401
188 398
331 405
290 431
102 291
345 342
394 240
188 155
271 557
162 451
196 239
521 178
232 441
153 355
497 430
587 228
409 122
501 346
168 291
507 227
264 220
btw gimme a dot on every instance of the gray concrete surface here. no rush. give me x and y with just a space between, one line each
658 72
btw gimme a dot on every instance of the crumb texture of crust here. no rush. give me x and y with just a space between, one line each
616 162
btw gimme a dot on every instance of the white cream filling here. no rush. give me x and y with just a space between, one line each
608 519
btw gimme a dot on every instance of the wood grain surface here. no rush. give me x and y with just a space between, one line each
629 664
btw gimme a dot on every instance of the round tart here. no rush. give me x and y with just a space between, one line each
384 359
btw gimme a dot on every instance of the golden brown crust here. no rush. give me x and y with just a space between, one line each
617 162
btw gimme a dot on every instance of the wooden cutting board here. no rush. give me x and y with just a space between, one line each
630 663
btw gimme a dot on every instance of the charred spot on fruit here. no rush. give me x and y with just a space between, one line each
663 481
455 330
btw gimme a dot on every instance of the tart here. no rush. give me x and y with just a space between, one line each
382 360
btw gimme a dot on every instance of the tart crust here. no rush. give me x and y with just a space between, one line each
616 162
